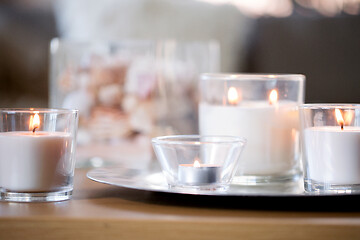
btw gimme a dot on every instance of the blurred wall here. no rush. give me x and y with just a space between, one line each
185 20
325 49
25 31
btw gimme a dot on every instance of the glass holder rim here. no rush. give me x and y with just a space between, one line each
327 106
165 139
40 110
253 77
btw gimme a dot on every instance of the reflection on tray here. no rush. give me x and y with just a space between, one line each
155 181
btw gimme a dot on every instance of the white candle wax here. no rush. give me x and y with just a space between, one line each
271 132
204 174
34 162
333 155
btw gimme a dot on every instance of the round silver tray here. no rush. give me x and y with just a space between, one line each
155 182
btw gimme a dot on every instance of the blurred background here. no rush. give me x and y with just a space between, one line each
318 38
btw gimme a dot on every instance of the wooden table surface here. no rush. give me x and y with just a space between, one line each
99 211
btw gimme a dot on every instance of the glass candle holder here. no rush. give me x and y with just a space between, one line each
331 147
37 148
197 162
264 110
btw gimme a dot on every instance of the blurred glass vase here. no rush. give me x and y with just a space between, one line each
128 92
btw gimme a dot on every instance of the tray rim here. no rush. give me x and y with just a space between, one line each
162 188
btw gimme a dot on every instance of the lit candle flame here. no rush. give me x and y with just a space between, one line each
273 97
339 118
34 122
196 163
233 96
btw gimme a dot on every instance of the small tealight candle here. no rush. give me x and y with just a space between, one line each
198 174
198 163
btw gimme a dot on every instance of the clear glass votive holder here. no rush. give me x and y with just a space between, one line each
331 147
263 108
193 162
37 149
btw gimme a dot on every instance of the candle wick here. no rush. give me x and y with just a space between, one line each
34 129
342 126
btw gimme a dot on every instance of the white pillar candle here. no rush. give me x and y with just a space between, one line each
198 174
34 162
333 154
271 132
